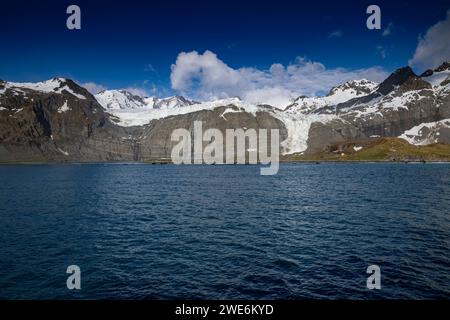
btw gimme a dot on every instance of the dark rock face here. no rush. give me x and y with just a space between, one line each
442 134
427 73
443 67
155 142
322 136
397 78
412 84
38 126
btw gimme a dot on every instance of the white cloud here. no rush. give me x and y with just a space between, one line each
336 34
205 76
382 52
93 87
149 68
388 30
275 96
434 47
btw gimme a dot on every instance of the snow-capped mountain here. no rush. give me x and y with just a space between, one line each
341 93
439 78
55 85
58 119
395 108
401 90
172 103
119 99
125 100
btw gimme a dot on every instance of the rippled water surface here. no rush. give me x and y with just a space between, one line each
165 231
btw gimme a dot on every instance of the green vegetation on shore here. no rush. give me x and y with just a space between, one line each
380 149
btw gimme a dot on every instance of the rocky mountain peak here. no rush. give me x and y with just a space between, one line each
338 94
443 67
131 95
123 99
172 102
53 86
396 79
358 87
76 88
119 99
427 73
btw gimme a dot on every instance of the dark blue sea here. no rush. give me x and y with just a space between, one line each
224 232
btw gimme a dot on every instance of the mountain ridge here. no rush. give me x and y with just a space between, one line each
123 99
58 120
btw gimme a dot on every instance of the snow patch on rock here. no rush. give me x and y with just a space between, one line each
425 133
64 108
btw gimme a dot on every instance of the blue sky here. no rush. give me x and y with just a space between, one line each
134 43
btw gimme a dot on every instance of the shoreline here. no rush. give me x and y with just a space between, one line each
224 164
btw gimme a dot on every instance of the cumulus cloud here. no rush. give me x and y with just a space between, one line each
93 87
205 76
434 47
